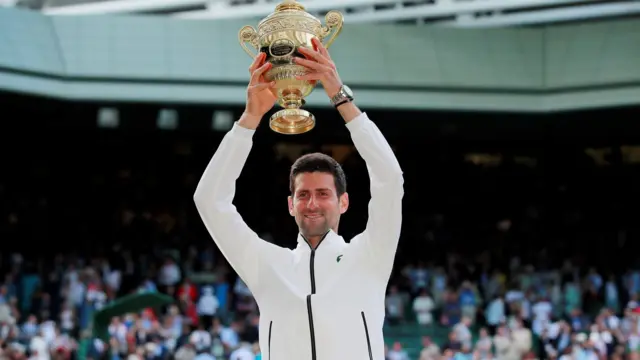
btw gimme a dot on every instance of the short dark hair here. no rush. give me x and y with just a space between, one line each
318 162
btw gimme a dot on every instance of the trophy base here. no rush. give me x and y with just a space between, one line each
292 121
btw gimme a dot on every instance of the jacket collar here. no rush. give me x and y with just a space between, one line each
329 239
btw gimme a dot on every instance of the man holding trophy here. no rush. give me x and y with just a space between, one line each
325 299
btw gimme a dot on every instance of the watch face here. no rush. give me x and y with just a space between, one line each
348 91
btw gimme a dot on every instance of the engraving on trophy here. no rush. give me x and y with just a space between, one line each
282 47
298 23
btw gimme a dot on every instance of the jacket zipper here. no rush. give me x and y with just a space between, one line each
313 291
366 333
269 339
311 331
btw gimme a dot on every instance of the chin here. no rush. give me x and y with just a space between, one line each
315 231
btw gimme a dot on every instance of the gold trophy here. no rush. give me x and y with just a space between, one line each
279 35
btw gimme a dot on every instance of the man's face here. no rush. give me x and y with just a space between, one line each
315 203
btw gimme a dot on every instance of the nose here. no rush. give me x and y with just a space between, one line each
312 204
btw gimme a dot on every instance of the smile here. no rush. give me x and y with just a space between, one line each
313 217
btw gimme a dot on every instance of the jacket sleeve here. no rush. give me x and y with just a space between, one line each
214 195
379 241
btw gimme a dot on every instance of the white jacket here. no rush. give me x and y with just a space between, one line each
322 304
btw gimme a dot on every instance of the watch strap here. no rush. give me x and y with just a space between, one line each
342 102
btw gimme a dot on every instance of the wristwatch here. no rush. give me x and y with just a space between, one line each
344 95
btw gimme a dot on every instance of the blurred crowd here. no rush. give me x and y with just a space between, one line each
523 314
50 316
515 256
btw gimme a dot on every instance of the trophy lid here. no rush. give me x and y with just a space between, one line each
287 8
289 5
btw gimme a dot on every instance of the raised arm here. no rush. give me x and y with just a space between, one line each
214 201
214 195
380 237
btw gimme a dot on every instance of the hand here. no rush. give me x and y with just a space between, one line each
322 67
260 97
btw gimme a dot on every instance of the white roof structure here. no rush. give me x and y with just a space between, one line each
455 13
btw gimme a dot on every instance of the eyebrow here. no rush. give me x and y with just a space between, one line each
318 189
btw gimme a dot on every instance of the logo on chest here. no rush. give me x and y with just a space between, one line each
339 258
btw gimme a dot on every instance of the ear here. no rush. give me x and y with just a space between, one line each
290 202
344 203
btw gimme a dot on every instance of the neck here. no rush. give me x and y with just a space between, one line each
315 240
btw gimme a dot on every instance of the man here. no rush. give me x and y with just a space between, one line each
323 300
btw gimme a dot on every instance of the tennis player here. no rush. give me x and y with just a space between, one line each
323 300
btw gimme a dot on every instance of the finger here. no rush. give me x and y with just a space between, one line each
261 86
320 48
314 55
314 65
257 62
255 77
312 76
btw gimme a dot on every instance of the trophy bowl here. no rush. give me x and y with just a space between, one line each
280 35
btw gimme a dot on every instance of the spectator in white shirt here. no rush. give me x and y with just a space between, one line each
201 339
542 311
67 319
423 306
113 279
495 314
170 273
207 306
229 337
118 330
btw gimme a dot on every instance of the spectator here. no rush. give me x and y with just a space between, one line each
423 306
207 306
397 353
395 306
430 350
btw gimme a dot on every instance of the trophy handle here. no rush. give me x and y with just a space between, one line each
249 35
328 33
